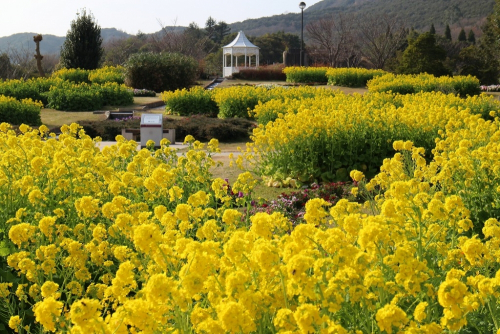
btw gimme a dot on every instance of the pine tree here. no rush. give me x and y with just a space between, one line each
433 29
83 45
461 36
447 32
471 38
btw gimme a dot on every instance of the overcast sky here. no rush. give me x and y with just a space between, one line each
54 16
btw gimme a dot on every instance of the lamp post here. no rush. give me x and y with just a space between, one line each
302 5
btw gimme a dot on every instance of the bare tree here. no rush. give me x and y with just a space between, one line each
380 37
333 36
190 42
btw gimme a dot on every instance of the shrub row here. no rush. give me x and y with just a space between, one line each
202 127
305 74
189 102
261 73
17 112
351 77
411 84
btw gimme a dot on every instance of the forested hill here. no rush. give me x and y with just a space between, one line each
51 44
420 14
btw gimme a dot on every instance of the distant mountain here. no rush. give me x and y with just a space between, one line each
419 14
50 44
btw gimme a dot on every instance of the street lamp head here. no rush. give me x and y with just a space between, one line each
302 5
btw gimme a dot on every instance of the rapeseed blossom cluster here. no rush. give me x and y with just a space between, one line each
127 241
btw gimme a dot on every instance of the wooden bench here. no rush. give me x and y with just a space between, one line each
133 134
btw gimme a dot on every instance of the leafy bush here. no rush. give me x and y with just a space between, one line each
18 112
74 75
411 84
306 74
185 102
351 77
160 71
107 74
114 94
263 73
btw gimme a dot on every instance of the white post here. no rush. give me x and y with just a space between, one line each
245 57
257 63
236 61
231 61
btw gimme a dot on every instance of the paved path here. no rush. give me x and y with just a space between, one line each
177 145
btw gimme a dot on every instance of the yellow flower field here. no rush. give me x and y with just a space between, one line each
126 241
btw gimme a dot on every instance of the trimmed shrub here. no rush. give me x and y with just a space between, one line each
160 71
305 74
75 75
261 73
351 77
18 112
107 74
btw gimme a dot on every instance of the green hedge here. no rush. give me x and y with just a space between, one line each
74 75
18 112
160 71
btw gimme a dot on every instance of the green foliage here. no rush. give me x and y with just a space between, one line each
461 36
18 112
351 77
474 60
432 30
471 37
272 46
297 74
189 102
82 47
423 55
447 32
160 71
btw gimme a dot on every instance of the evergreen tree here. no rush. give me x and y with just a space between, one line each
447 32
423 55
461 36
433 29
471 38
83 45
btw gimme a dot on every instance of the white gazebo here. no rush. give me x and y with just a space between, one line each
240 46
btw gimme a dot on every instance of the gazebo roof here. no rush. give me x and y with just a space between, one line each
241 41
